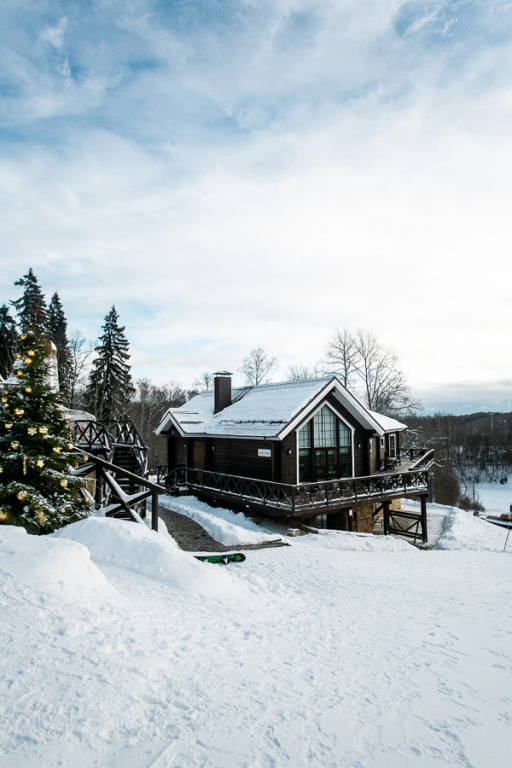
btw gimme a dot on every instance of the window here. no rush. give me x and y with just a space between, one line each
392 446
324 448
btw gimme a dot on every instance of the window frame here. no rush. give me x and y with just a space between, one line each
312 447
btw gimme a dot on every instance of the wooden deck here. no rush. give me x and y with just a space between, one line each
303 499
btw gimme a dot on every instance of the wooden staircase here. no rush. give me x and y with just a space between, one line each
121 445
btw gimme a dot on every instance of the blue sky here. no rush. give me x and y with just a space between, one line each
239 173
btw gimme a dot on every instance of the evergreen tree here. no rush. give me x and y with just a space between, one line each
8 338
57 329
38 490
110 383
31 307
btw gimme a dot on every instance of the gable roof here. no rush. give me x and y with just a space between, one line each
267 411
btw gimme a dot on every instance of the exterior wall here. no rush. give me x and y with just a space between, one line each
288 472
239 457
176 452
374 452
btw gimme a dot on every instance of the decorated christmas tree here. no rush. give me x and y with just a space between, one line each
38 489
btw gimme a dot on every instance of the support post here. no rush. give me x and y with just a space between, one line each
424 531
386 505
154 511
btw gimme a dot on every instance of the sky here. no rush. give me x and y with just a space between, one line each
238 173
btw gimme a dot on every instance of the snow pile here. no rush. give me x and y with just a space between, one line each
135 547
227 527
462 530
62 569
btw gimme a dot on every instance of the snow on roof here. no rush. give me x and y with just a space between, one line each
387 423
266 410
262 411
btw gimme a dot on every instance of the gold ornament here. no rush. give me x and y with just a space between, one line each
43 430
19 411
1 470
19 356
28 361
22 495
40 463
64 483
3 516
19 373
28 390
4 399
23 338
56 449
40 517
8 425
32 431
71 447
15 445
31 353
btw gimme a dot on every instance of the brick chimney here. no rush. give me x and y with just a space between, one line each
222 390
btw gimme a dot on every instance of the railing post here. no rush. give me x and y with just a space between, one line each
385 505
424 531
154 511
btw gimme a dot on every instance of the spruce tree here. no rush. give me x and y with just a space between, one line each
8 338
31 306
57 329
110 384
37 490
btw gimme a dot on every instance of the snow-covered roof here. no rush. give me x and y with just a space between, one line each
387 423
267 411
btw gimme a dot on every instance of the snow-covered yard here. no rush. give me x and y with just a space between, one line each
119 650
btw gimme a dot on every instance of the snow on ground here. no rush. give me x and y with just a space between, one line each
120 651
226 527
496 497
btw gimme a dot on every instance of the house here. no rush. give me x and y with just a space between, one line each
296 449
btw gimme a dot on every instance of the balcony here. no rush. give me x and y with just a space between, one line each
302 499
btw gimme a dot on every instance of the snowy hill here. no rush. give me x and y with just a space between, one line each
340 650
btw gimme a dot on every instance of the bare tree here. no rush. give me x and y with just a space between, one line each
146 410
364 363
203 383
81 352
303 373
257 366
342 355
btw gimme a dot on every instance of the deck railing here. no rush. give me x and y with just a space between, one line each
303 498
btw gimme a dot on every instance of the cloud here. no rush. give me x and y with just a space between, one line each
235 174
54 35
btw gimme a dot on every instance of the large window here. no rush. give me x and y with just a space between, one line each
324 448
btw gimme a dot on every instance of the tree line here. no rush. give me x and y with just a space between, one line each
97 378
469 449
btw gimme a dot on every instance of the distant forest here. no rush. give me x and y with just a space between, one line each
469 449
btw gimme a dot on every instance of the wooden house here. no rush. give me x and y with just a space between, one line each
291 449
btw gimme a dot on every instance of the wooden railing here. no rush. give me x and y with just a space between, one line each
424 459
92 436
303 498
112 498
126 433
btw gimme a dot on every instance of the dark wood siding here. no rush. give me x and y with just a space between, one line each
289 459
176 452
240 457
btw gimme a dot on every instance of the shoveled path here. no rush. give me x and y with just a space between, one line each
192 537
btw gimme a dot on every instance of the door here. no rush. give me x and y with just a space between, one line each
198 454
